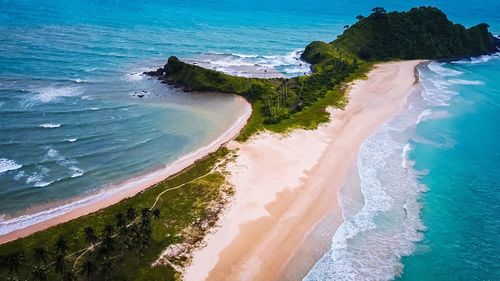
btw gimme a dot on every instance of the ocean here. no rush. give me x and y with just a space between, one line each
72 123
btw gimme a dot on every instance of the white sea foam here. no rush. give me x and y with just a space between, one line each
8 165
50 94
369 245
135 76
404 156
70 164
72 140
466 82
19 175
477 60
439 69
255 65
423 115
38 178
42 183
437 91
79 80
49 125
7 226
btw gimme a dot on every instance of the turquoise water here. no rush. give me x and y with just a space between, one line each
461 157
429 185
71 122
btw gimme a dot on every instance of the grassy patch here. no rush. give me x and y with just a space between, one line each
180 208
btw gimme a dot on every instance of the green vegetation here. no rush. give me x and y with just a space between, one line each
420 33
121 242
281 104
125 241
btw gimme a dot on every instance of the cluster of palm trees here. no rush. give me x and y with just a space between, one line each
132 235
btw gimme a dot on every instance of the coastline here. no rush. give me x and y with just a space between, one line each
130 187
283 190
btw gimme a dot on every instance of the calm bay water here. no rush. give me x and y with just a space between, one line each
70 122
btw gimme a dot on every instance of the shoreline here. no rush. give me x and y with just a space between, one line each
128 188
285 185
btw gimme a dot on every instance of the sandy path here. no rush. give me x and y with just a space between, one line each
286 184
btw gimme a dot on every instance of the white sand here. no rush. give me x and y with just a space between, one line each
286 184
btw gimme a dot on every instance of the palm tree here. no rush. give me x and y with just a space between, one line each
145 230
106 267
90 236
69 275
41 256
136 239
39 273
120 220
60 264
88 268
131 214
14 262
108 230
145 213
121 223
61 246
156 213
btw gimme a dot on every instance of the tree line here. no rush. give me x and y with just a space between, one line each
129 235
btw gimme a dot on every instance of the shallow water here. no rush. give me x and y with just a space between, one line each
429 187
71 121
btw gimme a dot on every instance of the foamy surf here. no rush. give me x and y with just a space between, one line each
478 60
50 94
49 125
70 164
245 65
439 69
8 165
423 115
369 245
466 82
38 179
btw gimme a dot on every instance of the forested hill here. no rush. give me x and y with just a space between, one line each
420 33
280 104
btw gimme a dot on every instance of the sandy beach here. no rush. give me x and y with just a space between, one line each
131 187
285 185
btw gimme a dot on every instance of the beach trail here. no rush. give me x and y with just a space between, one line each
131 187
285 184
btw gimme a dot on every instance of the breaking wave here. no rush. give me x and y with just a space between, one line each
8 165
287 65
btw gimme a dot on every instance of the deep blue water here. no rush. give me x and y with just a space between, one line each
70 123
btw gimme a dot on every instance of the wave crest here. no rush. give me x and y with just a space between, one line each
8 165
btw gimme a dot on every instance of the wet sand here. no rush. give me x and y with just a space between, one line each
131 187
286 185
